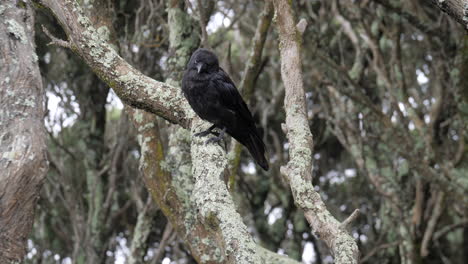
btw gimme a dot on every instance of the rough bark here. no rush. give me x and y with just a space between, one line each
23 162
457 9
298 171
172 200
167 173
215 203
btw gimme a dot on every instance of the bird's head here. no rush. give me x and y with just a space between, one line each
203 61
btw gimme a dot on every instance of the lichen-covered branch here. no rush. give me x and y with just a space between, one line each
167 173
219 235
176 207
215 203
141 233
205 189
133 88
457 9
23 162
298 171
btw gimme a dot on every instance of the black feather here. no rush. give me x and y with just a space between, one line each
214 97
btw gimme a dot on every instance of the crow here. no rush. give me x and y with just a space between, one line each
214 98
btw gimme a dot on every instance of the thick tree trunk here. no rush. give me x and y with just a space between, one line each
23 162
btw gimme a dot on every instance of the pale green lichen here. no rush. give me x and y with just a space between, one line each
146 126
129 77
143 141
214 202
16 30
179 142
304 195
134 81
109 58
211 255
34 57
104 33
2 9
84 21
30 102
9 155
97 41
138 116
165 166
274 258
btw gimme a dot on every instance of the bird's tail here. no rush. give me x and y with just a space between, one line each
254 144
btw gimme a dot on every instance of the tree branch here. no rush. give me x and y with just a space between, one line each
379 249
431 226
298 171
447 229
220 228
412 19
132 87
56 41
457 9
347 222
218 209
203 22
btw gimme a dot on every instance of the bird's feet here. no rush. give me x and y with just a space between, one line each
205 133
216 139
202 134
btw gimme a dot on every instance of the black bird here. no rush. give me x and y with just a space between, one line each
214 97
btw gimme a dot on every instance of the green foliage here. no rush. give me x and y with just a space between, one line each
387 110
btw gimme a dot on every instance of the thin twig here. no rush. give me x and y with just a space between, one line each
378 249
166 239
355 95
56 41
438 209
448 229
345 224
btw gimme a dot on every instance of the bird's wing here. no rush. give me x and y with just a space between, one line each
230 96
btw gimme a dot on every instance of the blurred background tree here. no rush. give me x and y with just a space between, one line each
387 100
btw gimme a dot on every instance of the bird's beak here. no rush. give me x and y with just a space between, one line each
199 67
